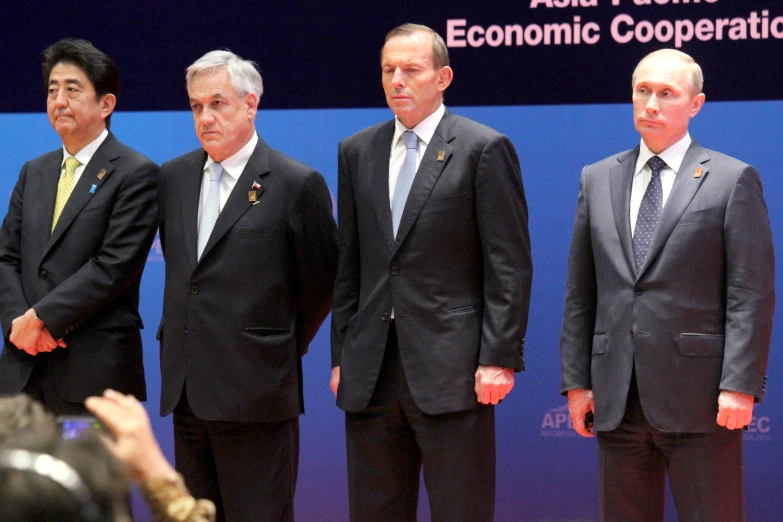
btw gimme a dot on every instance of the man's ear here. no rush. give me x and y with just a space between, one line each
251 101
697 104
445 75
107 103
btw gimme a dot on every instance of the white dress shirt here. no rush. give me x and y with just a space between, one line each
673 156
424 130
84 156
232 169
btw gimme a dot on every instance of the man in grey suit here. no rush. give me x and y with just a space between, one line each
432 294
668 311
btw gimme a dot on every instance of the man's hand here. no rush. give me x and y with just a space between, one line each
335 380
580 401
25 332
134 443
46 342
735 409
493 383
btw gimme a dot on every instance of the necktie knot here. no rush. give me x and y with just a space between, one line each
215 172
656 165
411 140
71 164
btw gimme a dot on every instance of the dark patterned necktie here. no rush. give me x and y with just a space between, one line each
649 213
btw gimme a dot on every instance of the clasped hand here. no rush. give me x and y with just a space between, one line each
29 334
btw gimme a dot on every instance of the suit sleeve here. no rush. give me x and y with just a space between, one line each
579 314
750 287
119 262
13 302
315 247
346 286
501 212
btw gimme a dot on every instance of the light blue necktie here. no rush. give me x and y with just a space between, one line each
649 213
405 179
211 210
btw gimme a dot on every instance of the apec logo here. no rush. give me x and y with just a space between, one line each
557 423
156 252
759 430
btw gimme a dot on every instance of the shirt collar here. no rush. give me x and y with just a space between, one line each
85 155
234 165
424 130
673 156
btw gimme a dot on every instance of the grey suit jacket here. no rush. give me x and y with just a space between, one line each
697 317
458 274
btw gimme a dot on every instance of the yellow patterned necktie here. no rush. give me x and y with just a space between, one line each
65 187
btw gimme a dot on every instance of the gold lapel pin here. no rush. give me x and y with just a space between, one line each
697 172
252 196
441 155
102 174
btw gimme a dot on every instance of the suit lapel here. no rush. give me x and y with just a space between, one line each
427 175
238 201
683 190
621 180
190 191
379 181
95 174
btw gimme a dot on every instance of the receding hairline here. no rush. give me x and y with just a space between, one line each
439 51
691 68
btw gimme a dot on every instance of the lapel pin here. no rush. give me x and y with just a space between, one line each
256 185
252 196
92 189
441 155
697 172
101 175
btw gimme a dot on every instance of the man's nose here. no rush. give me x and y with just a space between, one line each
61 100
398 79
652 105
206 117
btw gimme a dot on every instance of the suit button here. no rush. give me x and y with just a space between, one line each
194 290
385 317
394 270
43 274
639 291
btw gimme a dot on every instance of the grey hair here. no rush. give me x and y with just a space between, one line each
243 73
692 69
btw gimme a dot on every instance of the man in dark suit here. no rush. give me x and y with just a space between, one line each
73 246
250 248
431 297
668 310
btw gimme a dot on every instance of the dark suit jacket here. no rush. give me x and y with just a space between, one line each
696 319
83 278
458 274
236 323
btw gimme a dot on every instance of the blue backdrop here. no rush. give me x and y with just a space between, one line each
545 472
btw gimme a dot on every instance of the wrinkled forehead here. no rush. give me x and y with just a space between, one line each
407 47
663 70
